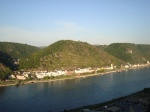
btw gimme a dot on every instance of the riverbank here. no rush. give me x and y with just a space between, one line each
12 83
69 77
23 82
123 104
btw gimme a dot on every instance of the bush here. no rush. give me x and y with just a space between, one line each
17 83
4 74
46 77
101 71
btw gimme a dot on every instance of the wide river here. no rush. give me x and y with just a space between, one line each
67 94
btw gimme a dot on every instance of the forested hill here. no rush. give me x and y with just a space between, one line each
130 53
4 72
17 50
67 54
8 61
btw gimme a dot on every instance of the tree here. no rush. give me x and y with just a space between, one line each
4 74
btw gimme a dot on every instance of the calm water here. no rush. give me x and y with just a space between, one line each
60 95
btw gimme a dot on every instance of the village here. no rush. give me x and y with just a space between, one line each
23 75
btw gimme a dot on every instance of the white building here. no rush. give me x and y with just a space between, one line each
126 66
78 71
20 77
41 74
12 77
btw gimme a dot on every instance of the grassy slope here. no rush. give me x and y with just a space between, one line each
67 54
140 53
17 50
7 60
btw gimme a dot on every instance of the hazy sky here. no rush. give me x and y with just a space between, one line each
42 22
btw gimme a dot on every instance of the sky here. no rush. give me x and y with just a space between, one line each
43 22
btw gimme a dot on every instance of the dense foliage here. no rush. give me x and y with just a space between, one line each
8 61
11 52
67 54
4 72
17 50
144 50
130 53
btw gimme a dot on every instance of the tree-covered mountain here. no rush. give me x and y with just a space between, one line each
67 54
130 53
17 50
9 55
144 50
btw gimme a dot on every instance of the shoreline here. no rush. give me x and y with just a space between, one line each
69 78
113 102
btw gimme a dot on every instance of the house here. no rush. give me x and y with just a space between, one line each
55 73
126 66
12 77
84 70
27 75
40 76
70 72
20 77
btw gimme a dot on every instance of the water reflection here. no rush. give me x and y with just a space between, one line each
2 90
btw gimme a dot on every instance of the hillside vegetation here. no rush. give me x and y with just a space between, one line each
130 53
67 54
7 61
17 50
4 72
9 55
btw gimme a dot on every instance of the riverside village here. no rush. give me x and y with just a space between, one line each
23 75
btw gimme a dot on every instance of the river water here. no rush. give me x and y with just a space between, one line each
67 94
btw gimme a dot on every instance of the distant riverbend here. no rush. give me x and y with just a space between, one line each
58 95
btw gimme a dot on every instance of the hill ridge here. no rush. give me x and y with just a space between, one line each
128 52
68 54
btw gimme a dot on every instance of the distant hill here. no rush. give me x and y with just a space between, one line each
67 54
144 50
130 53
17 50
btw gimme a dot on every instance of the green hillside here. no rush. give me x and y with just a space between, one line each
144 50
4 72
67 54
8 61
17 50
130 53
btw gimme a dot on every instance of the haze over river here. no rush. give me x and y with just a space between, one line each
67 94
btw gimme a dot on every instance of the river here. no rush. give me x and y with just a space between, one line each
67 94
